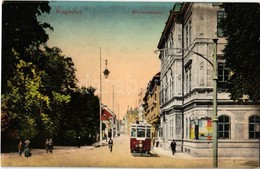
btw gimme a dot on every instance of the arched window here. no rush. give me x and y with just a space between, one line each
224 127
254 127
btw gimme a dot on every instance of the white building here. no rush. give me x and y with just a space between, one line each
187 86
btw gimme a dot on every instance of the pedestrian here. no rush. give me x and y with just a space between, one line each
79 141
47 145
20 147
106 137
27 149
173 147
110 144
50 145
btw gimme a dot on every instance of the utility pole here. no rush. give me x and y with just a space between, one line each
100 111
215 98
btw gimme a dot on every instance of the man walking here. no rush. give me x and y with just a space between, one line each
173 146
110 144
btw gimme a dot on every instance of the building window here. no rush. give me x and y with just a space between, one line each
223 75
220 15
187 128
188 79
188 34
254 127
192 129
171 125
160 132
224 127
173 88
160 97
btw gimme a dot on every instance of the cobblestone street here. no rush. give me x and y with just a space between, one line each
91 156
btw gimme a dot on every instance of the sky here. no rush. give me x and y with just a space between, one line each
126 34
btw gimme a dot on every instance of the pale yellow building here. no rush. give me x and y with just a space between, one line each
152 105
131 117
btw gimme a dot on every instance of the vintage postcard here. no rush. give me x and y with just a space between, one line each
129 84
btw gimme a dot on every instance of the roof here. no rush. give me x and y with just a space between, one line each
176 10
177 7
151 84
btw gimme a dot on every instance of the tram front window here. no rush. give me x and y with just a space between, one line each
140 132
149 133
133 132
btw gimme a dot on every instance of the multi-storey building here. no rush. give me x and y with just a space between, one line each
131 117
151 105
186 92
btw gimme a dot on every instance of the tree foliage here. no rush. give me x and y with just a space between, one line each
20 30
241 27
40 98
82 117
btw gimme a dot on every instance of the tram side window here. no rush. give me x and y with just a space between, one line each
148 133
140 132
133 132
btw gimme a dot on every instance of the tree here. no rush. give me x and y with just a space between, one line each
20 30
82 117
242 52
59 83
60 72
24 105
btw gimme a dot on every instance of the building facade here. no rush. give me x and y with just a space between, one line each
131 116
108 117
186 87
151 104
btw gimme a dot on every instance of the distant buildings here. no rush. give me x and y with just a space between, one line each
151 104
131 116
186 88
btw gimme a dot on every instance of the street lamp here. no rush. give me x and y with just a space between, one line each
106 73
215 80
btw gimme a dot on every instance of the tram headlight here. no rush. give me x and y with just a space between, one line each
140 144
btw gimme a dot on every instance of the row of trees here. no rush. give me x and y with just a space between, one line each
40 98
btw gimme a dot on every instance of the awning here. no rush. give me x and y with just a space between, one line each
106 115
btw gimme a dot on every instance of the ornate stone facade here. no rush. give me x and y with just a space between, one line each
186 50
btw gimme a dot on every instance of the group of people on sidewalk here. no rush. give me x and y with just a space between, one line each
24 148
49 145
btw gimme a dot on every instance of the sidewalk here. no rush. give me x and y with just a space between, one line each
97 144
104 143
180 155
168 153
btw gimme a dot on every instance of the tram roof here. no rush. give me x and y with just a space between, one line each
141 124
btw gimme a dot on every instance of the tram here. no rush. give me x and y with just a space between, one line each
140 137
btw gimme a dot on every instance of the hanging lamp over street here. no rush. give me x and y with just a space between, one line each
106 71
